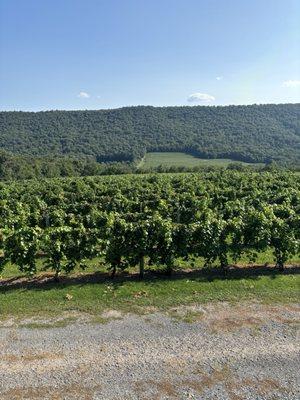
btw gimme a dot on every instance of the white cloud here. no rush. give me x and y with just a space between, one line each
291 83
219 78
83 95
200 98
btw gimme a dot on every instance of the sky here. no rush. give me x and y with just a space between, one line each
96 54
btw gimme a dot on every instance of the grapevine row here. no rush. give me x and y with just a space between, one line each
134 221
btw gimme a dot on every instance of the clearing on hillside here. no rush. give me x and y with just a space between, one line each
174 159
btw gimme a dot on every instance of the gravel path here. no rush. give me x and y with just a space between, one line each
217 351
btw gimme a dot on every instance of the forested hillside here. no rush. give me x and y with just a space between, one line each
256 133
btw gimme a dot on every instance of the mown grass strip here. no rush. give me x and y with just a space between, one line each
128 294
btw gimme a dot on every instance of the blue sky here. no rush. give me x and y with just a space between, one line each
92 54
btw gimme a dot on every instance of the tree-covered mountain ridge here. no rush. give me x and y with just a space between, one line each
253 133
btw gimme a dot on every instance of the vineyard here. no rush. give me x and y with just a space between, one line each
149 220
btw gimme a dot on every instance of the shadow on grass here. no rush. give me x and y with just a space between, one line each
46 281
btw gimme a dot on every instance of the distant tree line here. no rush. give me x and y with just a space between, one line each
256 133
19 167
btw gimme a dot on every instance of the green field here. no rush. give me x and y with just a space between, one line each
170 159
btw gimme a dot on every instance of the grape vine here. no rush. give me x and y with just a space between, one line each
149 220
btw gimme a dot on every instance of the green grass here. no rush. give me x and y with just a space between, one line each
169 159
93 291
129 294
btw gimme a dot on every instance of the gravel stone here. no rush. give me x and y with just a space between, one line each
228 352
